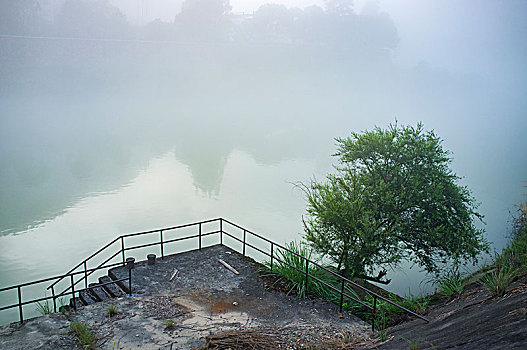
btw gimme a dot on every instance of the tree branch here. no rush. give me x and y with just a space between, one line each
377 279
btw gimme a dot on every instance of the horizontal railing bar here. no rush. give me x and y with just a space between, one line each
8 307
345 279
401 307
97 252
264 252
209 233
142 246
130 235
189 237
171 228
325 283
180 239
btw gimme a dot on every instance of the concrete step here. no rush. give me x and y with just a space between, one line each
77 302
113 289
122 284
86 298
97 292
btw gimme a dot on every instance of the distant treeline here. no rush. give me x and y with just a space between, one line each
204 21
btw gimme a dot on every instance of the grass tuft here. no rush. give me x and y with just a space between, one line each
44 308
85 337
497 280
450 283
383 334
414 345
289 265
111 311
170 324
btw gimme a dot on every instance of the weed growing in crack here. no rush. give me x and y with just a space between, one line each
85 337
111 311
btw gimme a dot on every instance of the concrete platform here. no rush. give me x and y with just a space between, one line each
206 298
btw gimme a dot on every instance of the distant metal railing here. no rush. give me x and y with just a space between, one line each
85 272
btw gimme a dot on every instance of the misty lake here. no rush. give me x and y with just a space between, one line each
101 138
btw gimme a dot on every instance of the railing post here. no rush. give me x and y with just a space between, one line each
122 249
307 273
341 295
244 237
54 299
374 312
20 305
85 276
200 236
272 246
221 231
73 293
161 240
130 263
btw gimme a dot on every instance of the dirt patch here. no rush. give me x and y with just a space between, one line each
164 308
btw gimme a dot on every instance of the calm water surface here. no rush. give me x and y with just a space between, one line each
117 138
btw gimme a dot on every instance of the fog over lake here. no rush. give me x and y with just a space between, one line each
124 116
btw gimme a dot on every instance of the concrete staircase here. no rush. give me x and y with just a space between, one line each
97 292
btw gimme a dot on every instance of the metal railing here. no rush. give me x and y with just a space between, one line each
221 223
72 293
85 272
343 280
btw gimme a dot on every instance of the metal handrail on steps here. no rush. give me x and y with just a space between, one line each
71 276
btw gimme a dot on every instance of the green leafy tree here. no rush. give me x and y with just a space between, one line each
393 198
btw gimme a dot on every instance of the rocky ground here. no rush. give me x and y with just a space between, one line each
473 320
210 307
